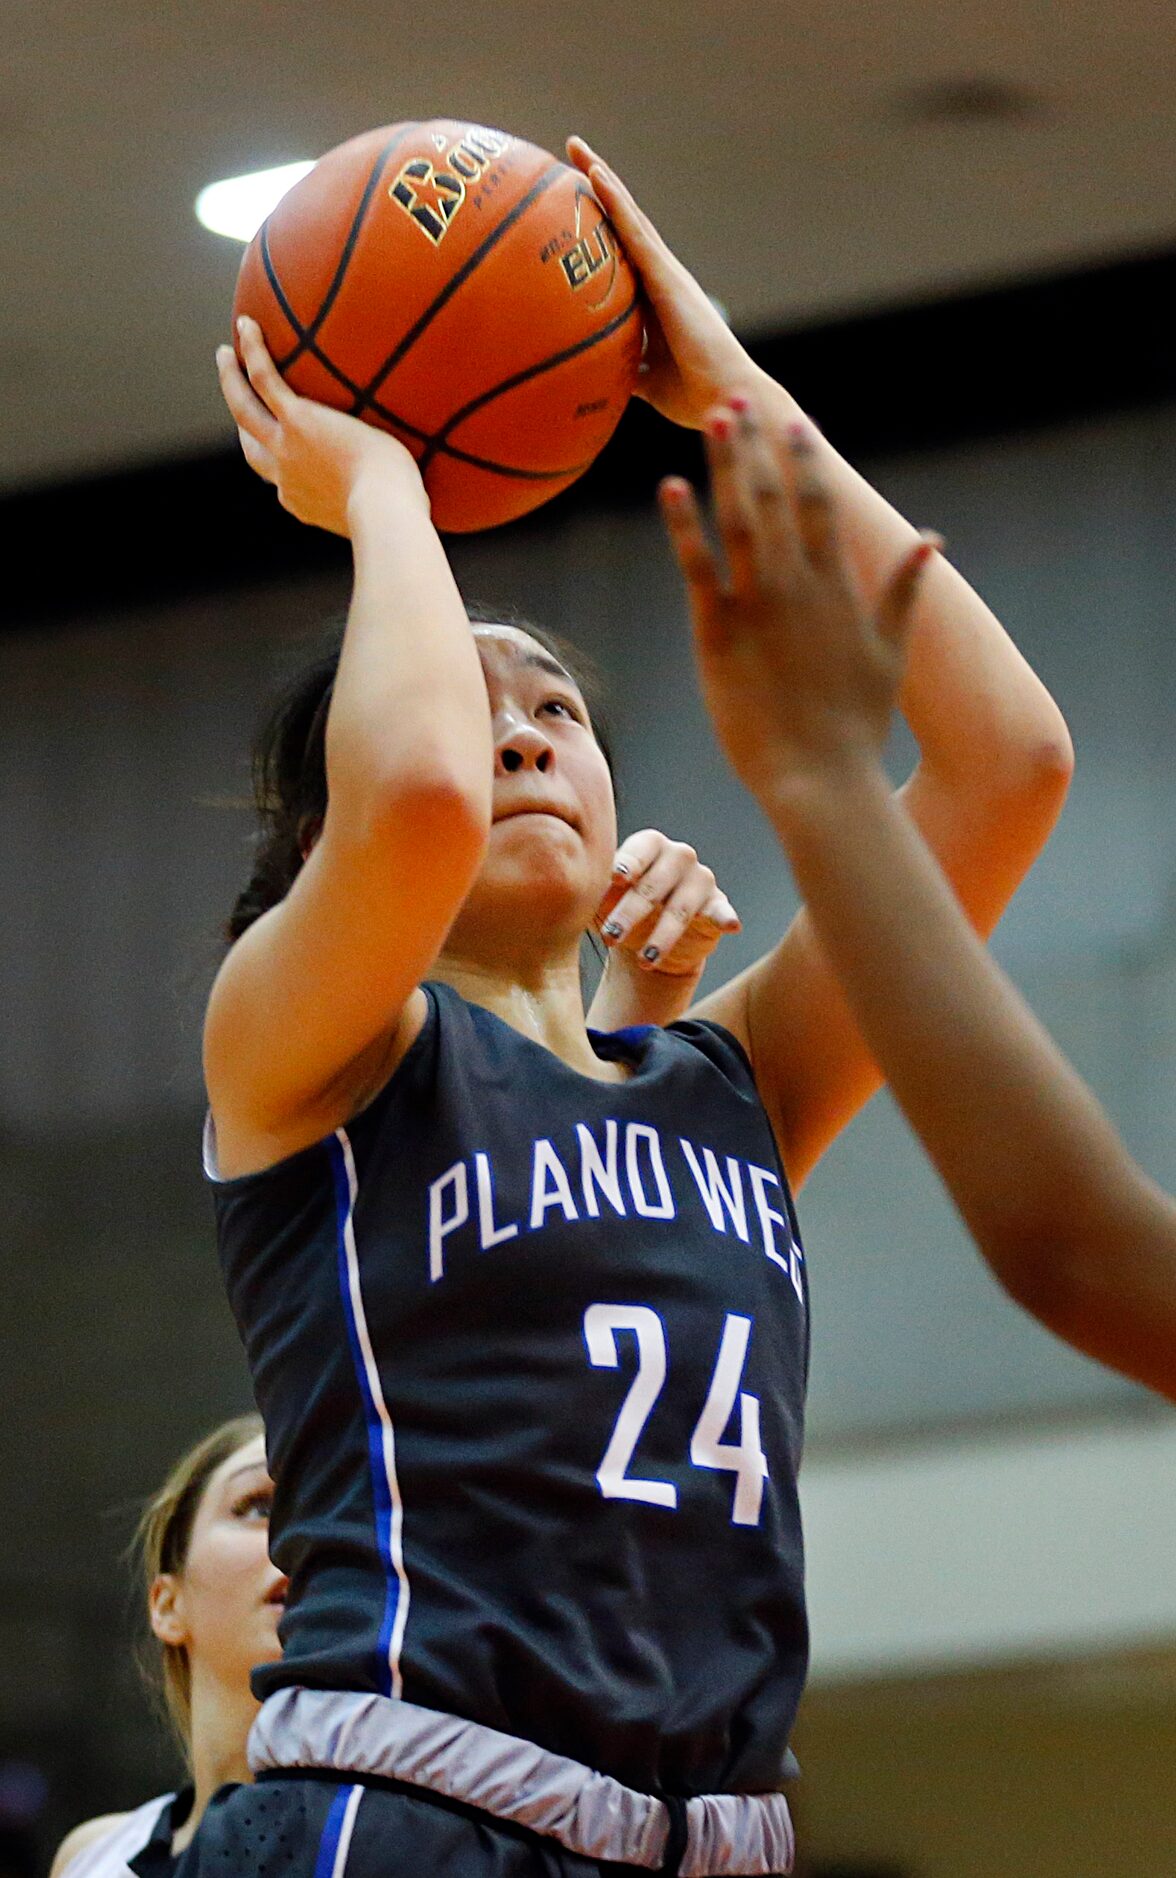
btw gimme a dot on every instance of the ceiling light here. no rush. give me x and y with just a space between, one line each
239 205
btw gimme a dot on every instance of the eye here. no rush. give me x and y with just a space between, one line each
563 707
255 1505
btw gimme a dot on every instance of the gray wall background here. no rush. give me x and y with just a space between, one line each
122 748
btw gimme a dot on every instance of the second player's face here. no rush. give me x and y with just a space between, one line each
229 1597
554 827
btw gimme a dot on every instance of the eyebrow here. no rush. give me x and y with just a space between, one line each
545 663
250 1467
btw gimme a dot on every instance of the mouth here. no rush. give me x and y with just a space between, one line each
551 809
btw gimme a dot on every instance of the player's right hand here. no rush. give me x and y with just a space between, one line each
314 456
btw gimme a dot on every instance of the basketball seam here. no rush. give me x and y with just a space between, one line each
468 267
311 331
328 365
439 441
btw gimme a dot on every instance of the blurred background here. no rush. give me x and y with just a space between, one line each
951 230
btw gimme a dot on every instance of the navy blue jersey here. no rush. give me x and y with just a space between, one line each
531 1352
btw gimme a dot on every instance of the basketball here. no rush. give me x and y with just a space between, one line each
463 290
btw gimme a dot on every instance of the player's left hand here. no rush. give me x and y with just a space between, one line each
663 911
692 358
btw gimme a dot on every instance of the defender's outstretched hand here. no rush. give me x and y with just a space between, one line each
315 457
661 918
692 357
664 910
797 672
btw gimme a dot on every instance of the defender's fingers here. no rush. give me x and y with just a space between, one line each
735 513
637 853
263 374
683 520
896 607
247 411
816 517
720 912
671 871
677 917
779 541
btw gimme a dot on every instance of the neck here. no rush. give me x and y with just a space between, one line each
221 1720
542 998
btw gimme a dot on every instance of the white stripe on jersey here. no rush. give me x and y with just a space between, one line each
345 1831
387 1434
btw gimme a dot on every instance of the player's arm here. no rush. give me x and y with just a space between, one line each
661 918
87 1834
1067 1220
328 976
994 754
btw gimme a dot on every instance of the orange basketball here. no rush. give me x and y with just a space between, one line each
463 290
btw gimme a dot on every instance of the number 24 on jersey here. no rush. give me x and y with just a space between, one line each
603 1327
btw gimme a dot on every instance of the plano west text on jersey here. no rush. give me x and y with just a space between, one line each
623 1170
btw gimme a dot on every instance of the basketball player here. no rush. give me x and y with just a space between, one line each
1069 1223
526 1306
213 1602
213 1597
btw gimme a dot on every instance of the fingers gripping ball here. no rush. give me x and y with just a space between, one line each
463 290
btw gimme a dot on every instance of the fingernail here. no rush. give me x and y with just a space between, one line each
720 427
622 868
651 955
800 439
739 401
933 540
612 929
674 491
241 324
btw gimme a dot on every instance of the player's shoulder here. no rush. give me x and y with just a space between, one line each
91 1832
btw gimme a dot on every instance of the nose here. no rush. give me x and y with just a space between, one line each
522 746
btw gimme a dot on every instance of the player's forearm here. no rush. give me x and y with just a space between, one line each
1032 1162
409 710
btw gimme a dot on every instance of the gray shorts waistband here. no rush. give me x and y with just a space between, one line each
728 1835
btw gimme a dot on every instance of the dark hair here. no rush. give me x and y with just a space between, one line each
290 768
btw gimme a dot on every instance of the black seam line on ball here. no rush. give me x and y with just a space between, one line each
312 350
307 334
440 441
463 273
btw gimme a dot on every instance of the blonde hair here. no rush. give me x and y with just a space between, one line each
162 1538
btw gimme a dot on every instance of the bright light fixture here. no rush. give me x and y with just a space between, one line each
239 205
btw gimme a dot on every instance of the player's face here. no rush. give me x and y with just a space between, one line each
229 1597
554 827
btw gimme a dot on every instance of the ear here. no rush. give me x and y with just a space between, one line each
165 1610
309 830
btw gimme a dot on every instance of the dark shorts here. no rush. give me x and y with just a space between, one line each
294 1827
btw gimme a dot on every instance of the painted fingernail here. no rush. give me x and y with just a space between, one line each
674 491
651 954
739 401
720 427
612 929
